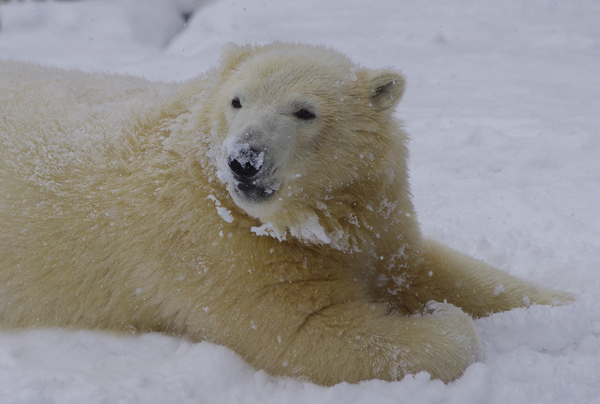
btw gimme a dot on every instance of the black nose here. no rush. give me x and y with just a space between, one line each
246 164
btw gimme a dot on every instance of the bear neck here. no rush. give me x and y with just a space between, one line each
362 216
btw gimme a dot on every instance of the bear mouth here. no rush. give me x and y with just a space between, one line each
251 190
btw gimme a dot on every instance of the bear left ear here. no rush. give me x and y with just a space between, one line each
386 87
232 55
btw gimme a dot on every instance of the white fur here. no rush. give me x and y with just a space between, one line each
120 210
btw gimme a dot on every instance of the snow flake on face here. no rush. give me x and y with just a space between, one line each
268 230
221 211
311 231
243 154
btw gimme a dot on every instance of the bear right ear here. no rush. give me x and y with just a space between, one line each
232 55
386 87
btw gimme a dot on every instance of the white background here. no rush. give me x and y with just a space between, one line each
503 107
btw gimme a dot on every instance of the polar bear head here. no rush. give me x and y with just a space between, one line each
300 125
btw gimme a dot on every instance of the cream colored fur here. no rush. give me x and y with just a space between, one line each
118 211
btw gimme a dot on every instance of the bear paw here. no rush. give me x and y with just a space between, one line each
440 309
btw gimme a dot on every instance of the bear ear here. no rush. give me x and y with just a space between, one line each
232 55
386 88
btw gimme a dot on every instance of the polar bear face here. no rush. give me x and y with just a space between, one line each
265 126
301 123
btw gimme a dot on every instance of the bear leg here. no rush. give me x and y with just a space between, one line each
479 289
357 341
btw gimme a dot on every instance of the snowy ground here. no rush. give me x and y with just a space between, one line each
503 105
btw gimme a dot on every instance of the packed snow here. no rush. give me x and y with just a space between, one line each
503 107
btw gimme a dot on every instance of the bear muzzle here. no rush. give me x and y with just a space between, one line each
252 177
246 162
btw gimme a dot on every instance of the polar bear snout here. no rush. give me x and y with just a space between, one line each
246 163
252 176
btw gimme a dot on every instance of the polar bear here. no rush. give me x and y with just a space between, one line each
263 206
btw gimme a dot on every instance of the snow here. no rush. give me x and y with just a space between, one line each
243 154
503 106
221 211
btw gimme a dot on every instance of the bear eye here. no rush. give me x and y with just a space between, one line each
235 103
304 114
